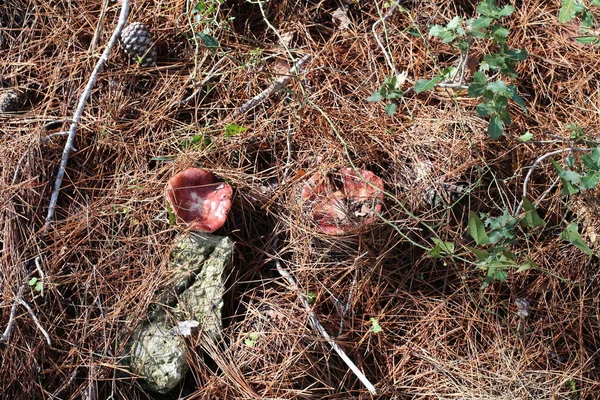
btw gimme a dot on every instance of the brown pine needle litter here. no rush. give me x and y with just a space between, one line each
417 327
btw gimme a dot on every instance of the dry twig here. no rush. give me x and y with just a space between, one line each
35 319
11 318
79 111
536 163
319 327
278 84
388 59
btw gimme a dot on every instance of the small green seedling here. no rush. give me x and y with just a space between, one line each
37 284
376 328
389 90
196 142
252 338
526 137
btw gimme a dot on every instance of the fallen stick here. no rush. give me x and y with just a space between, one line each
278 84
79 111
317 325
35 319
11 318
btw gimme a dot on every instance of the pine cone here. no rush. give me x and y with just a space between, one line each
137 43
9 101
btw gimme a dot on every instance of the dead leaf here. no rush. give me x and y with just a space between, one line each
340 17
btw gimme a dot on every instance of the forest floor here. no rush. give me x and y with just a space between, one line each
457 289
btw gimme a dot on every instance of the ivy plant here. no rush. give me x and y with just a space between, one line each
495 237
390 91
488 82
571 9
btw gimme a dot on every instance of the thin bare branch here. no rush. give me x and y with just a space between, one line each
79 111
319 327
11 319
35 319
536 163
277 85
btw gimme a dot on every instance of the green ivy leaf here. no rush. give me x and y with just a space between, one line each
481 23
512 91
477 230
517 55
498 87
447 36
495 272
571 235
524 267
436 30
592 160
476 89
390 109
569 179
570 161
423 85
234 129
485 109
526 137
590 180
506 11
412 31
587 40
375 97
441 248
501 227
571 176
500 33
489 8
481 255
495 127
208 40
569 10
531 218
454 23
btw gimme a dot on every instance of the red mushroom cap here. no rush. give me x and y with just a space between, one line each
198 199
345 207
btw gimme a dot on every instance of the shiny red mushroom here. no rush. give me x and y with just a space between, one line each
198 199
344 203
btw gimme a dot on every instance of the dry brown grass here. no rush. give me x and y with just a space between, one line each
442 338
